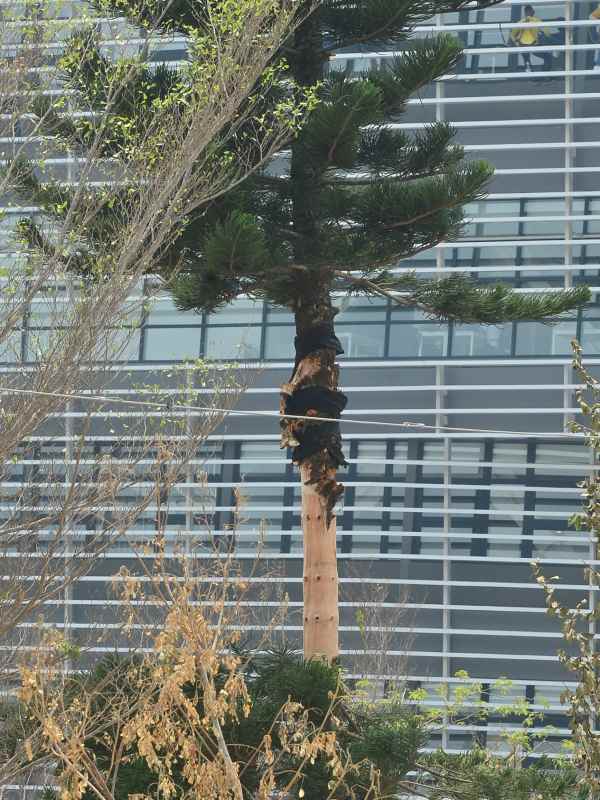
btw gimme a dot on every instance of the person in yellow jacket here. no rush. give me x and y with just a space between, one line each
595 34
529 37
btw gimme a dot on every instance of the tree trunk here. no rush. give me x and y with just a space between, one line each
320 577
313 386
313 391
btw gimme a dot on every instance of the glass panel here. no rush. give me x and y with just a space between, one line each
590 337
162 311
551 543
264 503
124 345
240 312
555 454
262 458
511 547
374 455
481 340
171 344
371 496
233 343
360 308
428 340
279 342
279 314
509 504
537 339
515 458
400 455
465 457
400 314
362 341
433 451
433 542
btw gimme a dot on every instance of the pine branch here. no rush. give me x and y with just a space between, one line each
333 134
422 210
461 299
425 61
429 152
383 21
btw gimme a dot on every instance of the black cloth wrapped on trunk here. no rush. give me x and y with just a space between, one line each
319 337
314 437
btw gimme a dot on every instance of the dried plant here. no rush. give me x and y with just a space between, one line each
188 714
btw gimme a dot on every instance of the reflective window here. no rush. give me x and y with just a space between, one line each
465 457
548 542
504 541
360 308
481 340
279 342
509 460
262 458
162 311
434 452
233 343
537 338
124 345
371 458
400 458
171 344
362 341
590 337
419 340
240 312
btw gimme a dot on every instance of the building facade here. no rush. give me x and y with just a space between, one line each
440 523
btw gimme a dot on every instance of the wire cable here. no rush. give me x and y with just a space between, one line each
170 407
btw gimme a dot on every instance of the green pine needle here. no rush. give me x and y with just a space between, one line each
418 66
461 299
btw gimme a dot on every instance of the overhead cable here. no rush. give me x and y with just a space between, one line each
170 407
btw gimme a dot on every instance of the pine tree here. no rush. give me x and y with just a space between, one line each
357 197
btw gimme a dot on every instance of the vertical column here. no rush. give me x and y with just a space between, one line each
446 572
567 395
568 232
441 420
593 597
568 141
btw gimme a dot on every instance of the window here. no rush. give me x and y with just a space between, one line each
171 344
428 340
362 341
481 340
279 342
162 311
240 312
235 343
539 339
371 457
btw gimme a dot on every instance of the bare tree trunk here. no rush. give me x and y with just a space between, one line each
313 391
320 577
